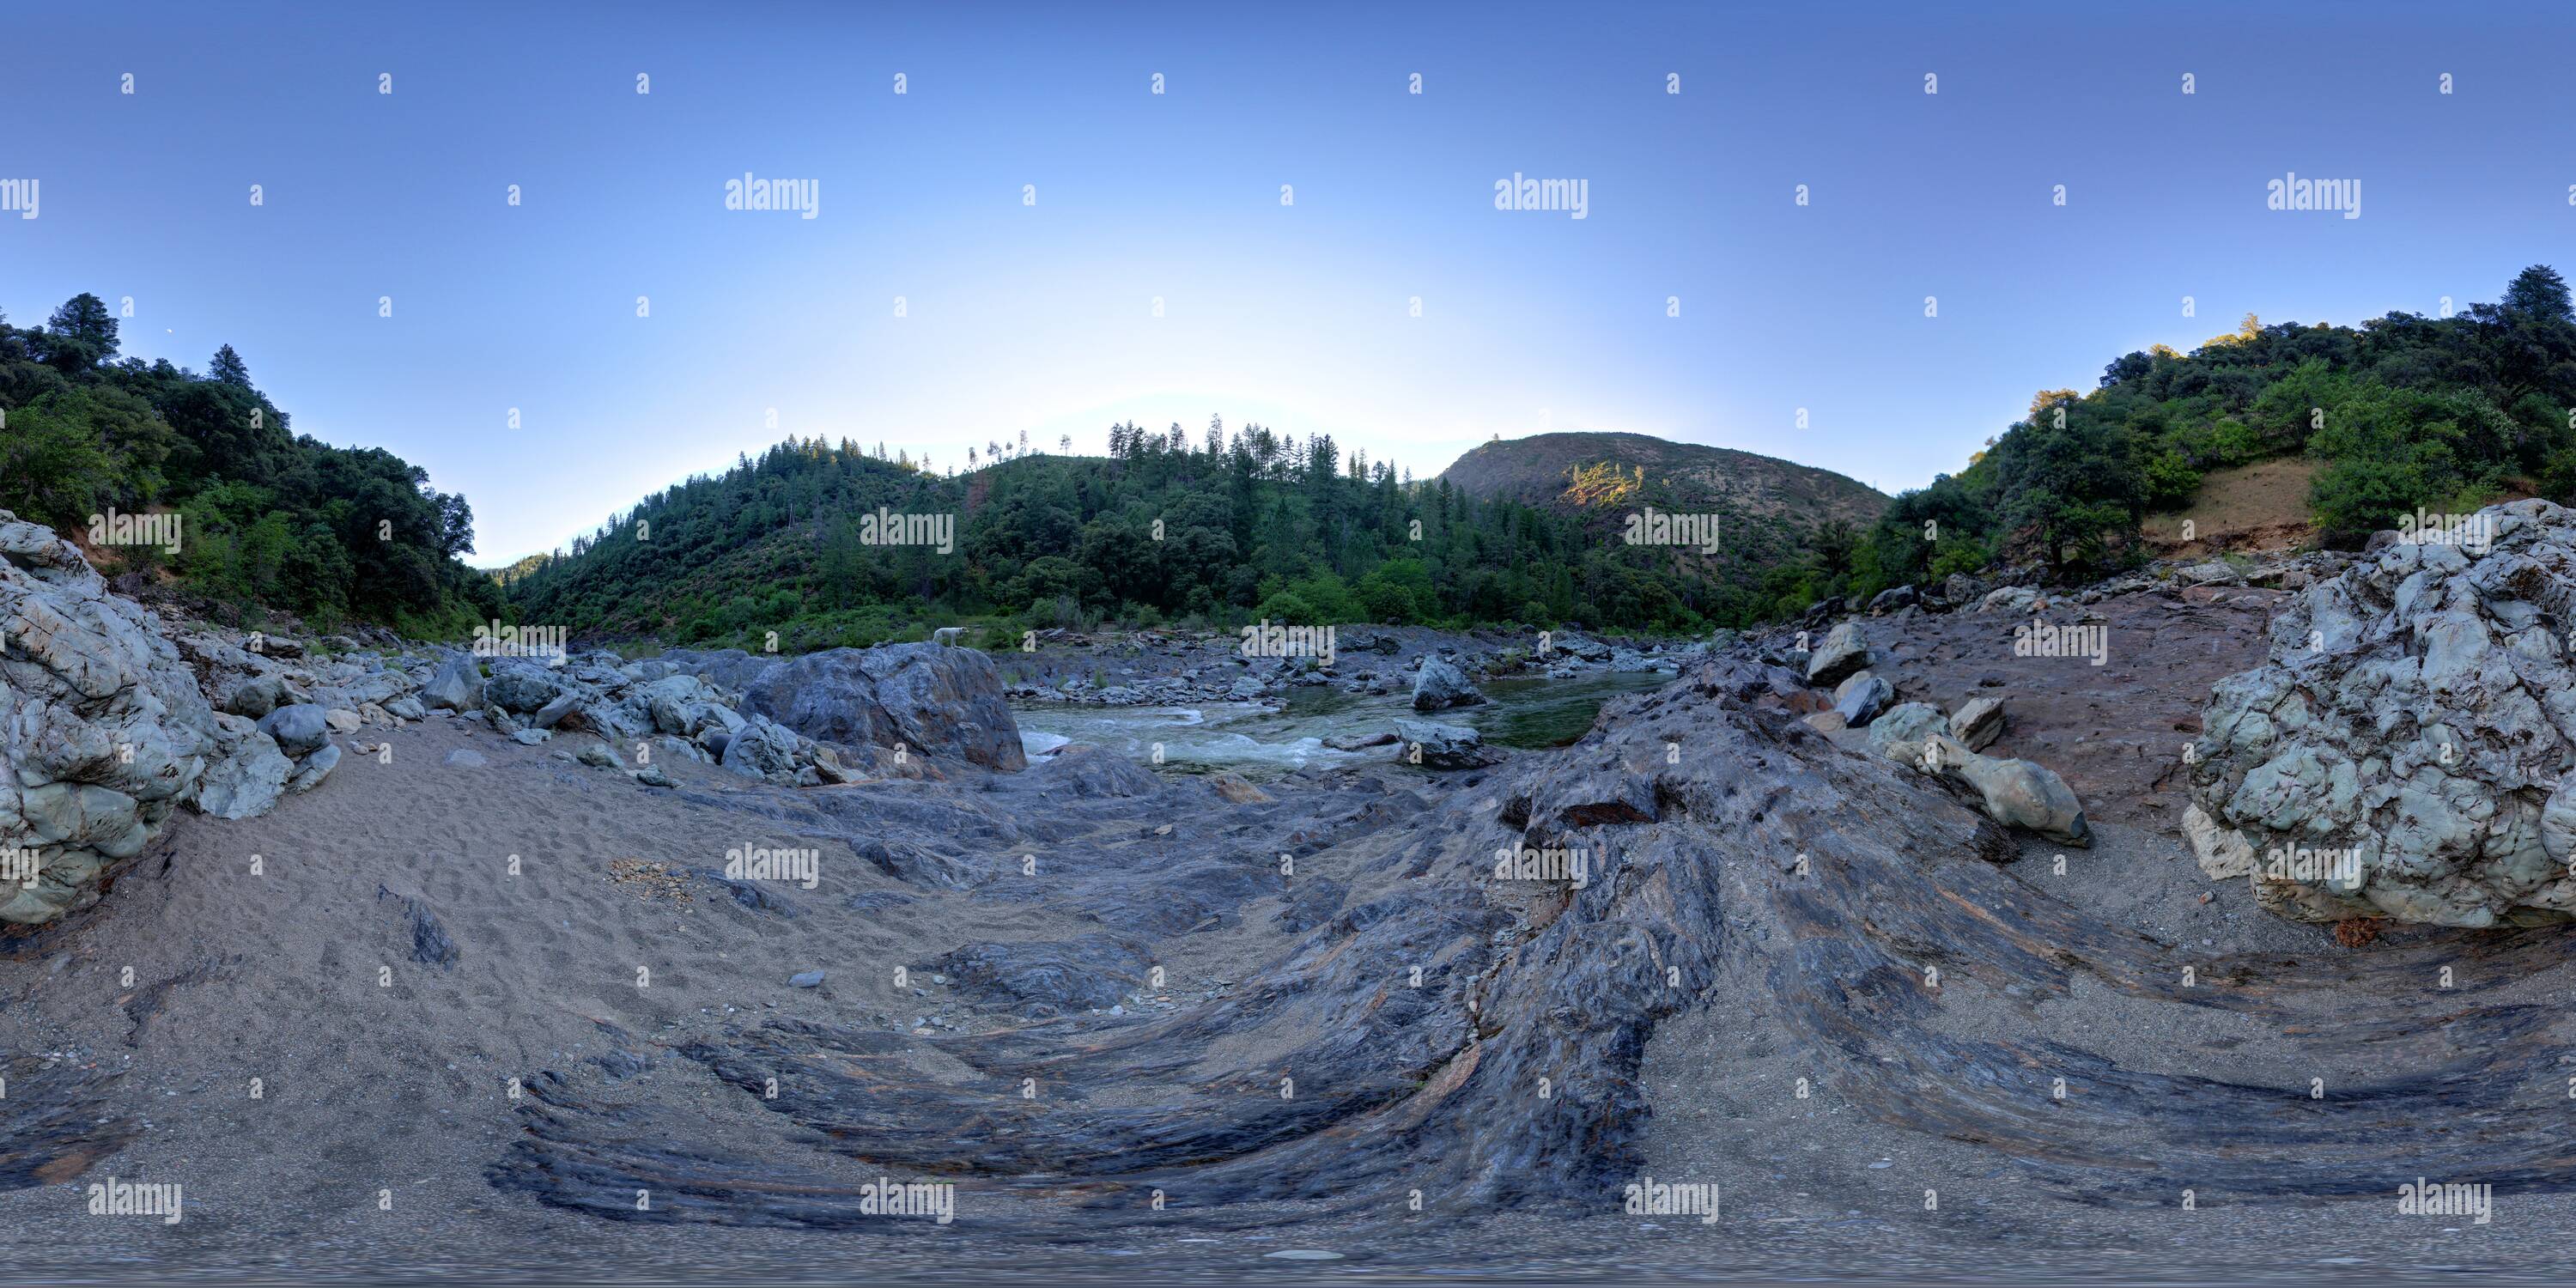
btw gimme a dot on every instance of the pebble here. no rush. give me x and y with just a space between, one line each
808 979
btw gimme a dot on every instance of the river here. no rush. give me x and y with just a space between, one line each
1256 741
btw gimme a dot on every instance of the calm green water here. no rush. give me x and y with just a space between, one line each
1527 713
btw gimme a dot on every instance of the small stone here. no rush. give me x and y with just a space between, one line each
807 979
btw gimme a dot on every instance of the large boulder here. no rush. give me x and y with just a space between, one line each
299 729
1441 685
2405 750
1843 652
942 701
458 686
257 695
520 687
102 725
2015 793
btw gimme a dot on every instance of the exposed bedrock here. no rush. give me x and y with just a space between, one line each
933 699
1469 1018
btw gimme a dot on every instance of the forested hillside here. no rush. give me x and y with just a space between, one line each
266 518
1227 528
2400 413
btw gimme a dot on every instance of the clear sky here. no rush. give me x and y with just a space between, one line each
1040 317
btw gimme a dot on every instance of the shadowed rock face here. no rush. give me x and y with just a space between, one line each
1761 869
942 701
2406 749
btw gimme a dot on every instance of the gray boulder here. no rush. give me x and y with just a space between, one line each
458 686
520 687
944 701
1843 652
1978 722
2019 793
315 768
553 712
2404 752
1440 685
1891 599
256 696
762 749
1861 697
247 777
2015 793
299 729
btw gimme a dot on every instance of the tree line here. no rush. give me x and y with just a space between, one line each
2404 411
267 518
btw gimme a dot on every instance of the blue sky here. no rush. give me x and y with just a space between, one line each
1038 318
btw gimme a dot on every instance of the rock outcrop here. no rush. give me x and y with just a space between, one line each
2406 751
940 701
102 724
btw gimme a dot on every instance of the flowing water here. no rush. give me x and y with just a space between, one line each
1254 740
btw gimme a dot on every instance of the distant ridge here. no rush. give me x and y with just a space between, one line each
1562 472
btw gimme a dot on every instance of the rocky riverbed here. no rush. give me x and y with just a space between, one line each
677 964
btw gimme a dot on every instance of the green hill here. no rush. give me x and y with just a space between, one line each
1220 531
